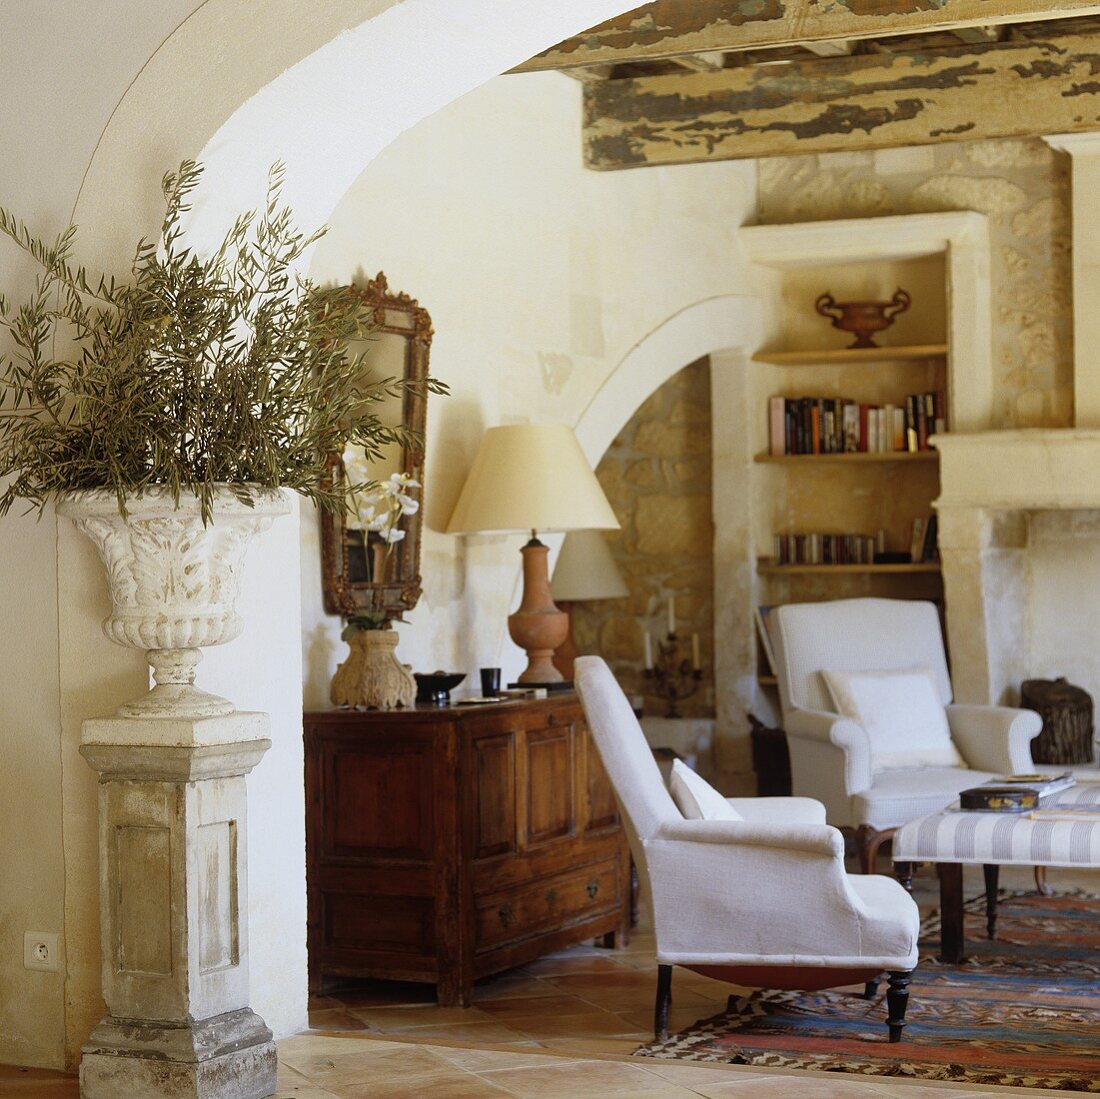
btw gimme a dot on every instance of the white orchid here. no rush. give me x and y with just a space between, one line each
377 507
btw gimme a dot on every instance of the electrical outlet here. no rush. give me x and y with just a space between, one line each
39 950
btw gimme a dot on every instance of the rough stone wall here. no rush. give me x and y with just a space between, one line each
1023 186
657 476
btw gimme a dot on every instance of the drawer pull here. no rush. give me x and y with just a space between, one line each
551 896
592 888
507 915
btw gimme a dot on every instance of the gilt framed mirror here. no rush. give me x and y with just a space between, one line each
362 571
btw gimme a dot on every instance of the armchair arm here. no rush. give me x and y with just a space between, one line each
994 738
732 892
828 735
781 810
818 839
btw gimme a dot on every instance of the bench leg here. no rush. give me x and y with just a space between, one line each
903 871
991 872
951 912
870 989
1041 881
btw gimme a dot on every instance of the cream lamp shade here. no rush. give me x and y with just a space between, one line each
585 569
531 477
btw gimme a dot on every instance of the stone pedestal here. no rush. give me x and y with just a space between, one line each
174 911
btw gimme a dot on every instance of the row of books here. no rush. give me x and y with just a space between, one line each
836 425
856 549
828 549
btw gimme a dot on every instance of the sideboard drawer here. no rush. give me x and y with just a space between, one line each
556 901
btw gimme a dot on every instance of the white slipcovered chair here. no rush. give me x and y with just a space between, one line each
901 749
762 901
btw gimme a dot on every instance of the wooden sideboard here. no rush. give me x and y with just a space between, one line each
445 844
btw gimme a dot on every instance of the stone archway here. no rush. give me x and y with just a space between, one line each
324 89
725 329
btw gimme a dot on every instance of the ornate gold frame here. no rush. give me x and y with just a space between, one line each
401 315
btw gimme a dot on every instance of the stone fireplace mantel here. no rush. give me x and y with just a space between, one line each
1035 469
1011 504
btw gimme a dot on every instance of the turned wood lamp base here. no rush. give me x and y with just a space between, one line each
538 626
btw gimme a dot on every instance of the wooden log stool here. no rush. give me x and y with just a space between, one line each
1067 714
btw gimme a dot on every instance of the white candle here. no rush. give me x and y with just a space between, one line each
695 651
671 614
648 651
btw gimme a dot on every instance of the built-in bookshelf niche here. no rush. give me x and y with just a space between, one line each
845 470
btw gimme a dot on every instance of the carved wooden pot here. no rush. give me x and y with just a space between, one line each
173 582
372 676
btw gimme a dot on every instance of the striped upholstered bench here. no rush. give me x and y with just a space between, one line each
953 839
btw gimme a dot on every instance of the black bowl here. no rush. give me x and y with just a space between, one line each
435 687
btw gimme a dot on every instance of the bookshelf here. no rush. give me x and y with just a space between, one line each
858 492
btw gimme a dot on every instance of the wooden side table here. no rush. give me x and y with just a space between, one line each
444 844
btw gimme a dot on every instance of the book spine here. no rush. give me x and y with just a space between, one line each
922 423
911 439
777 425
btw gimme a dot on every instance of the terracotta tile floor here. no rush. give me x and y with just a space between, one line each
560 1028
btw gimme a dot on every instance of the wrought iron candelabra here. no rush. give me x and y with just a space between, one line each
675 677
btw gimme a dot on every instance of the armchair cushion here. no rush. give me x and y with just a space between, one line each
898 796
903 714
696 798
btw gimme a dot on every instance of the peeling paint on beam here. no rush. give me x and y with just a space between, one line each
665 28
872 102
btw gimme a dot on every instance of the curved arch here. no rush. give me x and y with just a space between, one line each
324 88
726 323
325 94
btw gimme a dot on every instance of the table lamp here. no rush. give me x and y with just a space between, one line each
533 477
584 570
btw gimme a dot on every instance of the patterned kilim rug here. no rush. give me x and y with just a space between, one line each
1023 1011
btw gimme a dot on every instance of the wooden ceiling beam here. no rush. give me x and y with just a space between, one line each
868 101
834 47
710 62
666 28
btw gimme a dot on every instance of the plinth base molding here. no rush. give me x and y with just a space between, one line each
230 1056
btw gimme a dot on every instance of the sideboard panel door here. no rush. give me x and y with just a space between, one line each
495 793
376 801
551 767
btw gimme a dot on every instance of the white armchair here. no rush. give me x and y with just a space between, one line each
764 901
836 760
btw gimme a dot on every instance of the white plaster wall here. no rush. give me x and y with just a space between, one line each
541 279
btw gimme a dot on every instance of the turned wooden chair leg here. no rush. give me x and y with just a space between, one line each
868 841
870 989
897 1000
664 1002
1041 881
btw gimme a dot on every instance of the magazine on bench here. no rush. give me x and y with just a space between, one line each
1043 785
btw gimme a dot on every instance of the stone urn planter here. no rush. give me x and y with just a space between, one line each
372 676
173 582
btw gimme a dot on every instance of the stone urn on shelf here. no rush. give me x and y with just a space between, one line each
173 581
